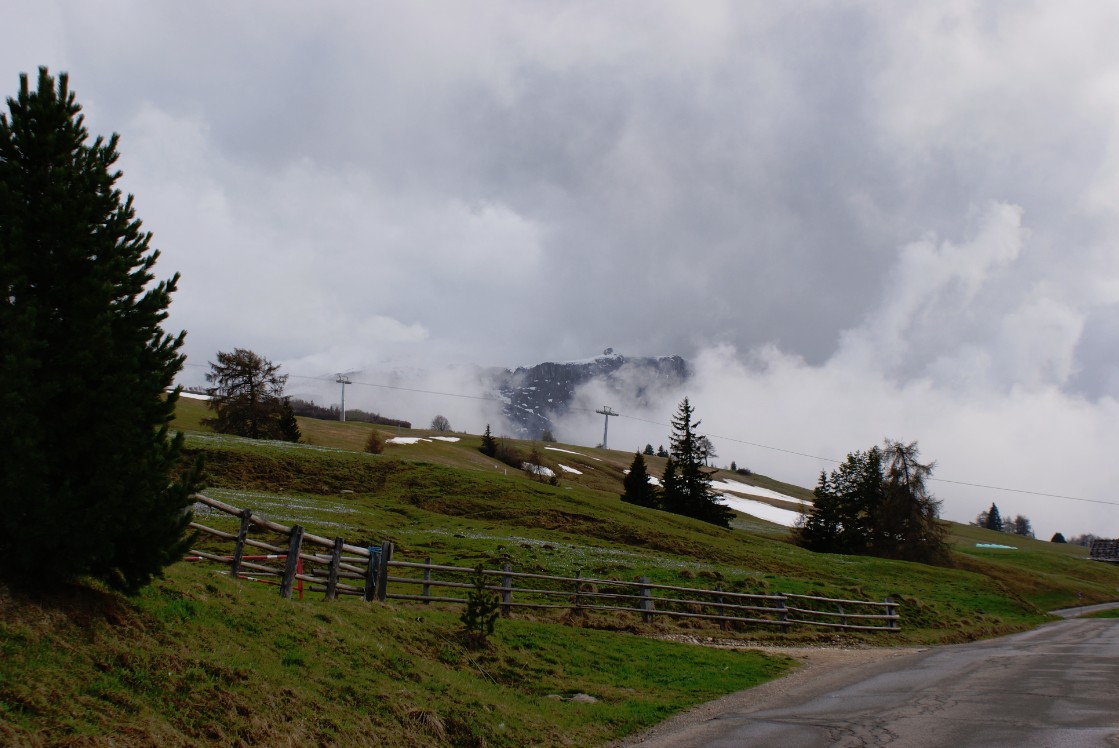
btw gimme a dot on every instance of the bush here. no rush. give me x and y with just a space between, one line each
482 606
374 445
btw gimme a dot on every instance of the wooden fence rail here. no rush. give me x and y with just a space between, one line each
372 571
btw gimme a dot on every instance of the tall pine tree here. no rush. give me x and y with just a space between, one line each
489 444
993 519
688 489
89 479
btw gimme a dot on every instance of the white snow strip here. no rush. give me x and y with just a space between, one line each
572 470
445 438
194 395
537 469
406 440
568 451
996 545
761 510
736 487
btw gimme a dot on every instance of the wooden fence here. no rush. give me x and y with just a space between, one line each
370 571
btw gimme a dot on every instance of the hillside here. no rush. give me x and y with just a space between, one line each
202 659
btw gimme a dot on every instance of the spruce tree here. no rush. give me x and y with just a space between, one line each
690 493
845 512
993 520
638 489
489 444
289 426
90 484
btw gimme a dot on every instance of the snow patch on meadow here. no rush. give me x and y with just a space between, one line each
761 510
568 451
734 486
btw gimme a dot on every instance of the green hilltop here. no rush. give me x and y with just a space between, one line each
200 659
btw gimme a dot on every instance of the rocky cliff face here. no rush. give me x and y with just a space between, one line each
533 396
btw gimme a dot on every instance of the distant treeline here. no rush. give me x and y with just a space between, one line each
311 410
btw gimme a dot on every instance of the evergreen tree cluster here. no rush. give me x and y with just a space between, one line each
992 519
685 485
90 483
877 503
306 409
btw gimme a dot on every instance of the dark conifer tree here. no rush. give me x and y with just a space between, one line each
90 483
691 494
670 493
992 519
846 507
877 503
248 395
908 523
489 444
649 450
638 489
289 427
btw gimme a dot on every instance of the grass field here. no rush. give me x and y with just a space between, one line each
201 659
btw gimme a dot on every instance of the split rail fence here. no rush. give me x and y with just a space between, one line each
370 571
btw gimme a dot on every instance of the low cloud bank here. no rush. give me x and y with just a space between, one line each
975 369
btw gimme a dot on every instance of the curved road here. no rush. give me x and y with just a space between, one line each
1056 686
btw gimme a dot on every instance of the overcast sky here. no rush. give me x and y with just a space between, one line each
857 219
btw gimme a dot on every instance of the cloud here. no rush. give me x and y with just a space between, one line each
907 199
974 376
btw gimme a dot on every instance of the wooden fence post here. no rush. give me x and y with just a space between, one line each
722 610
646 601
427 578
783 611
891 610
383 570
294 546
239 548
843 620
506 590
372 567
332 574
578 587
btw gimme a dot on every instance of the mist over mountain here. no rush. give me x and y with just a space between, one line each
535 397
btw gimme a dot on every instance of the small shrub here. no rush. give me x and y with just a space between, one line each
481 611
374 445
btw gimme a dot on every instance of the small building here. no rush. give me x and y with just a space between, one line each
1104 550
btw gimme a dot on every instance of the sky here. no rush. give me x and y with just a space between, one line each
857 220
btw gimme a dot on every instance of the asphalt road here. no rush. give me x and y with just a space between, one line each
1053 687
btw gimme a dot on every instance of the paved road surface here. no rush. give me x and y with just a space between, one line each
1054 687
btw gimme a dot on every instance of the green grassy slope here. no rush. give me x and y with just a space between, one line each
201 659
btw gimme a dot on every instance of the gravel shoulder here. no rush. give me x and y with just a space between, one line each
821 669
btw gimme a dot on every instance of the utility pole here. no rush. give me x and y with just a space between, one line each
343 380
606 411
